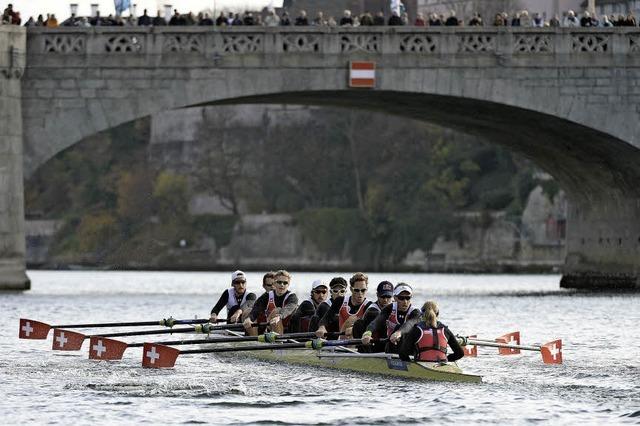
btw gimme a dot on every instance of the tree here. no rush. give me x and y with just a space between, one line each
135 196
171 193
221 169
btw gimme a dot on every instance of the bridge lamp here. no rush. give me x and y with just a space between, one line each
591 6
94 9
167 11
73 7
133 10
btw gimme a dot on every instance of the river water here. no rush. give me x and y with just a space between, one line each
598 383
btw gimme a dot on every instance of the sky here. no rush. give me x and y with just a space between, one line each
61 8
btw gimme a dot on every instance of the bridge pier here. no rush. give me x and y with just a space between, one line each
12 240
603 245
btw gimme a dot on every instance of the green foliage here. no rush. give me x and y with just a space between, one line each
550 188
368 186
96 231
218 227
134 193
171 193
333 230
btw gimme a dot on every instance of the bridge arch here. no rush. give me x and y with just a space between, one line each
564 98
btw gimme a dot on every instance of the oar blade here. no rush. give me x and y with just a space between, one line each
103 348
30 329
509 339
471 350
158 356
65 340
552 352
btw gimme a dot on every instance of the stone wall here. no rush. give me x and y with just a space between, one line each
494 242
12 245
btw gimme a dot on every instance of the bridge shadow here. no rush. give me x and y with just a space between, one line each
587 163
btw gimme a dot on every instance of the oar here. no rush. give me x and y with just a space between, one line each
551 351
512 338
161 356
102 348
30 329
66 340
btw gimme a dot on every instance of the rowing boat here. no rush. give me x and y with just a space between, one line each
375 363
382 364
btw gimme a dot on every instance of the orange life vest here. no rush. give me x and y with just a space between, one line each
393 322
345 313
271 305
432 344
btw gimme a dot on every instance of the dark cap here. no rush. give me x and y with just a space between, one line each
385 288
338 282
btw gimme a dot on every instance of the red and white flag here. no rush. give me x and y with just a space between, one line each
552 352
155 355
362 74
107 349
66 340
30 329
509 339
470 350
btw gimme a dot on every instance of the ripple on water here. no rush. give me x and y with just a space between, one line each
589 388
633 414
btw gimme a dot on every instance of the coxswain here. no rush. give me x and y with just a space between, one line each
337 288
427 341
346 310
274 307
237 300
301 318
384 293
394 318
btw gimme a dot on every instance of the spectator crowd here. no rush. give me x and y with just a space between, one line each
272 19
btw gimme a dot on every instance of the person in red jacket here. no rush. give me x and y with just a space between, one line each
427 341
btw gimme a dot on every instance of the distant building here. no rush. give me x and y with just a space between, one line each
616 7
488 8
336 8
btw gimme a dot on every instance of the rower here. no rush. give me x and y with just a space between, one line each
427 340
384 293
274 307
301 318
346 310
338 288
267 281
237 300
394 319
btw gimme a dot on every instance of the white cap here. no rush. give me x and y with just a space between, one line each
238 274
402 287
318 283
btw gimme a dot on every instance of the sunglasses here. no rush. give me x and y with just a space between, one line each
358 290
282 282
239 282
405 298
320 291
339 291
385 297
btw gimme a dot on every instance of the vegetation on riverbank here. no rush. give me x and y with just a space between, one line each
372 187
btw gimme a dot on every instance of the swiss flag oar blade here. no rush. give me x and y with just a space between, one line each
470 350
552 352
30 329
509 339
65 340
158 356
104 348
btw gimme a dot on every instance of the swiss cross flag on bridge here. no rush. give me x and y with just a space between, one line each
362 74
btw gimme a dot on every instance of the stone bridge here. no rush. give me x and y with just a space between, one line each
568 99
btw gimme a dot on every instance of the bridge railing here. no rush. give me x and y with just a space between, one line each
219 42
